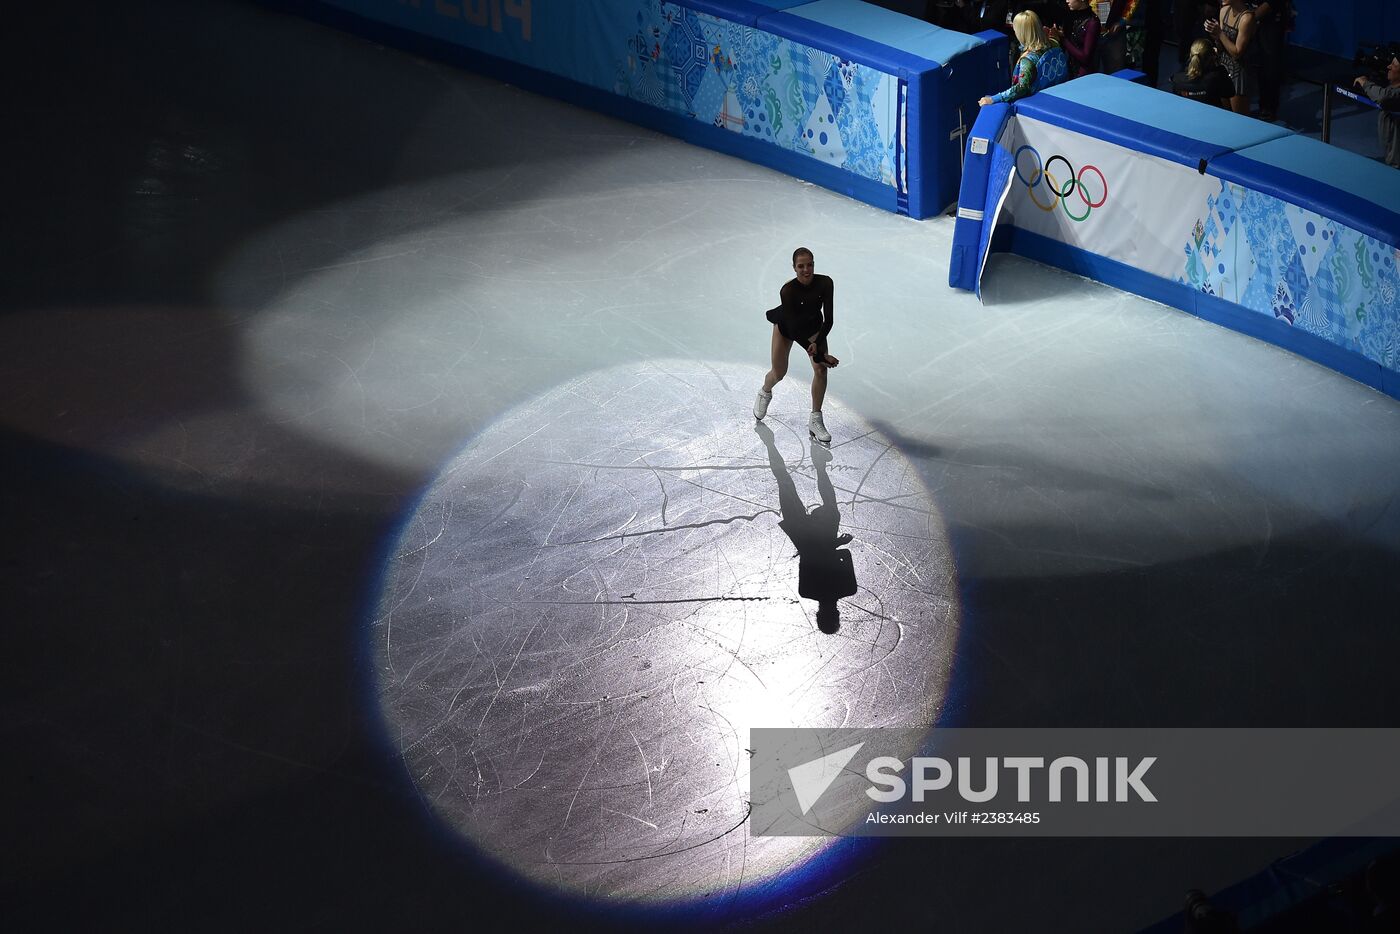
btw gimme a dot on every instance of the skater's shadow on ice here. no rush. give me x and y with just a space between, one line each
825 572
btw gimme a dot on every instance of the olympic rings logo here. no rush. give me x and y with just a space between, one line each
1057 194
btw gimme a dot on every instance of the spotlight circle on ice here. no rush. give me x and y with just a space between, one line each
605 590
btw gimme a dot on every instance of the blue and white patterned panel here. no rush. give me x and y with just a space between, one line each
757 84
1320 276
693 64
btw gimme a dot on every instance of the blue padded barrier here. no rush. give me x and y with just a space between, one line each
1161 124
945 71
744 12
830 29
1358 192
977 198
878 113
582 95
864 21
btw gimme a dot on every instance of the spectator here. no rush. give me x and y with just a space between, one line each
943 13
1153 32
1187 17
1388 97
1079 37
1383 886
1233 33
1203 79
1275 19
969 16
1041 64
1121 42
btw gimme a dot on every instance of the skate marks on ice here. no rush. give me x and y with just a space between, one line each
607 588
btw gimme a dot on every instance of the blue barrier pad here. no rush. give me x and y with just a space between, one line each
978 199
1358 192
886 27
848 45
745 12
1145 119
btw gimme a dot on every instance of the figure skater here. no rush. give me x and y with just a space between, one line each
805 317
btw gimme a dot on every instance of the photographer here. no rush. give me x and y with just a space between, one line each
1388 97
969 16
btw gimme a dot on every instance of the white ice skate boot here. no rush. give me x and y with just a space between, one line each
760 405
817 428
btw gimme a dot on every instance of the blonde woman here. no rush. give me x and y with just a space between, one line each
1203 79
1042 62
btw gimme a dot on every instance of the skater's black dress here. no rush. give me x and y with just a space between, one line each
801 313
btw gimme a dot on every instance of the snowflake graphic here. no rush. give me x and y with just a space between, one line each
1283 303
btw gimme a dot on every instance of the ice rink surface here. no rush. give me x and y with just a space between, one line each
389 541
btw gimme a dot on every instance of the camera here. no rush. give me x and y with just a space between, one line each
1202 917
1375 59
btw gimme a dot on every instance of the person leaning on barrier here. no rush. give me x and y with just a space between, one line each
1388 97
1042 62
1203 79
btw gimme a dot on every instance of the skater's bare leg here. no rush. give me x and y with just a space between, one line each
818 384
781 347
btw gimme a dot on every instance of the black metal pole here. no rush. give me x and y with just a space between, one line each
1326 111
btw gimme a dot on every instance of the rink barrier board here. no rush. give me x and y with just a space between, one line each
1352 190
1357 198
933 94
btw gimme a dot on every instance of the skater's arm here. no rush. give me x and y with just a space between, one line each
828 306
1024 82
828 288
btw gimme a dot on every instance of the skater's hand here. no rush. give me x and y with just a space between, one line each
812 349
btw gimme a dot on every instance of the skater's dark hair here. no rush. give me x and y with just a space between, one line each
798 252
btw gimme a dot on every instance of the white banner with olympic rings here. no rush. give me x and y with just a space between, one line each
1115 202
